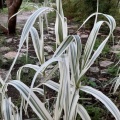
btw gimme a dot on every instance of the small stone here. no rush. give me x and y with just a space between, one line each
78 33
48 57
15 40
99 34
23 50
3 49
3 74
104 71
94 69
49 49
87 31
71 31
116 48
45 53
38 63
92 79
52 24
52 38
117 28
116 52
105 63
9 40
25 70
103 79
46 36
118 37
4 60
51 32
72 26
23 47
11 55
51 43
50 67
51 28
104 36
84 36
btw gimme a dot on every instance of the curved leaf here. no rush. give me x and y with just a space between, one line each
104 99
34 102
82 112
26 30
117 84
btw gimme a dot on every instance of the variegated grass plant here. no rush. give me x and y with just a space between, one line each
72 64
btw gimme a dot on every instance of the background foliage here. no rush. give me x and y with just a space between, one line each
78 10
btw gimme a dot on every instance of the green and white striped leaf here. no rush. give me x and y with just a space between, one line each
64 94
6 109
52 85
34 67
2 82
41 36
15 111
9 110
75 51
31 20
46 79
63 46
43 67
34 102
104 99
38 90
73 105
60 24
117 84
37 44
82 112
40 70
93 58
110 19
87 61
91 41
67 92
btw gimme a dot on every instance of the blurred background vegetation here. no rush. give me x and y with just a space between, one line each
79 10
